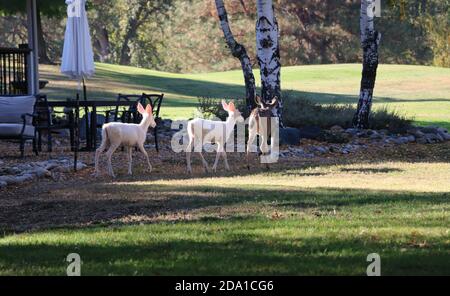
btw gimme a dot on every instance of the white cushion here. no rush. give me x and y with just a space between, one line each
12 108
14 129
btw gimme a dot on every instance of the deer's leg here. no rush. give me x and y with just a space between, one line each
205 164
98 152
198 147
97 157
218 153
251 139
227 167
264 150
142 149
188 156
130 159
109 154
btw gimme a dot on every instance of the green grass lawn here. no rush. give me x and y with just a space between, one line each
420 92
307 220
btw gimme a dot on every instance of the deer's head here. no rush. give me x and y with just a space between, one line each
233 112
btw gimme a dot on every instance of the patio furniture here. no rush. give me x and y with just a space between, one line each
16 120
132 116
92 123
46 121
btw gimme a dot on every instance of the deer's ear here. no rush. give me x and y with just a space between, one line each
231 106
149 109
225 106
140 108
274 102
258 101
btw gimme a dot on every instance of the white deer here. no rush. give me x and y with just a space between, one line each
128 135
203 131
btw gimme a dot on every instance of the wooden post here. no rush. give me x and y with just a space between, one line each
33 62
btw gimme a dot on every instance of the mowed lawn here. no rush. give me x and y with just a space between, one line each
310 220
420 92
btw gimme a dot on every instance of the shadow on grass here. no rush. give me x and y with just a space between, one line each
110 203
232 250
371 170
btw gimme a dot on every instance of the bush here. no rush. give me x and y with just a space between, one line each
211 107
299 112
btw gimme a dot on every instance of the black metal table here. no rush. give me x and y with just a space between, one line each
91 131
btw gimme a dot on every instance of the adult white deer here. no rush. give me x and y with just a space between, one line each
202 131
129 135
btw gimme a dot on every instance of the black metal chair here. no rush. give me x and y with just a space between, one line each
132 115
156 101
46 120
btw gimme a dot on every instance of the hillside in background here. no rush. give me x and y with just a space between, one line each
184 35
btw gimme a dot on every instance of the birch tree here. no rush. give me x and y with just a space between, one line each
268 52
370 40
239 52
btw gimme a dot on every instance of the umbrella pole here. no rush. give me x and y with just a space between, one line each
76 131
86 111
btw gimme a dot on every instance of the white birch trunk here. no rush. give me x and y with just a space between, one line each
370 40
238 51
268 51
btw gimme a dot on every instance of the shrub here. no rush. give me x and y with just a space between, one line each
300 112
211 107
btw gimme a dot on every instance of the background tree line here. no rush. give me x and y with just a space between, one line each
185 35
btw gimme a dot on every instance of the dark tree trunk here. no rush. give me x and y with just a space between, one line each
268 49
43 56
125 57
239 52
101 44
370 40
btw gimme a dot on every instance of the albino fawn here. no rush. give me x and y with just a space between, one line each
260 125
208 131
129 135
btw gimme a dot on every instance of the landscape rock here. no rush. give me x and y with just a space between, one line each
411 138
422 140
335 137
415 132
352 131
429 130
401 140
444 133
289 136
26 172
433 138
310 132
336 129
376 136
3 184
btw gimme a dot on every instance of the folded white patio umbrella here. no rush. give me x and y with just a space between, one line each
78 57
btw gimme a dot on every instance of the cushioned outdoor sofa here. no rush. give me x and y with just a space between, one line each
16 120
